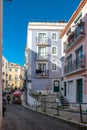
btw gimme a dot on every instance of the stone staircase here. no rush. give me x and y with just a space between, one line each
51 100
64 102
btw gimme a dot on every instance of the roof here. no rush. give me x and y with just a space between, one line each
77 11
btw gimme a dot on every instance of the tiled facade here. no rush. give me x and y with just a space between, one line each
44 66
74 39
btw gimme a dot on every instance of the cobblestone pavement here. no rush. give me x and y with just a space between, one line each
20 118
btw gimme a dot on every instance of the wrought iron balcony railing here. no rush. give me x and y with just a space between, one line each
43 41
77 35
74 66
42 57
42 73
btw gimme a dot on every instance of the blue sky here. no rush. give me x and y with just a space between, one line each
18 13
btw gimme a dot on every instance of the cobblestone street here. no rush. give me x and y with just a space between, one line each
19 118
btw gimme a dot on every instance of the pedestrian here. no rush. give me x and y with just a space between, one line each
8 99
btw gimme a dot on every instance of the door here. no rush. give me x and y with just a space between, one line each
65 89
79 90
56 85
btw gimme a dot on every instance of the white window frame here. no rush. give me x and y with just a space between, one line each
56 50
42 63
41 32
56 66
56 36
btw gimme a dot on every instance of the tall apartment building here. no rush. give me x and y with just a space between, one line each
4 73
44 53
74 39
16 75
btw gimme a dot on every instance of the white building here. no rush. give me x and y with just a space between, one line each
44 54
4 73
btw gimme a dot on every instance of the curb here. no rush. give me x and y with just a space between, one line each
79 125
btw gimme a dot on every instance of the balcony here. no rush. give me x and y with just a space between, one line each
42 57
42 73
75 66
77 35
43 41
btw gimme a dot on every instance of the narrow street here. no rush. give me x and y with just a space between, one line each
19 118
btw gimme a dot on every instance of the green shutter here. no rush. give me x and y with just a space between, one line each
78 17
68 31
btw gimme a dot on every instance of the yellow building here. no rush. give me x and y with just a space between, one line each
16 75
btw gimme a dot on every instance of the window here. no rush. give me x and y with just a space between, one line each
10 69
56 83
10 77
54 36
80 59
42 52
42 37
78 17
54 50
16 70
42 66
69 63
54 66
79 52
15 82
16 77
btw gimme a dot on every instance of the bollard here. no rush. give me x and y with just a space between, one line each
44 106
57 108
36 106
80 112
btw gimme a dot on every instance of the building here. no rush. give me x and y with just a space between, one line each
16 76
43 55
74 46
0 63
4 73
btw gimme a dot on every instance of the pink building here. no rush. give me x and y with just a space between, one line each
74 46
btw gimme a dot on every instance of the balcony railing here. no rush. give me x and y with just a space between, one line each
76 65
42 57
42 73
77 35
43 41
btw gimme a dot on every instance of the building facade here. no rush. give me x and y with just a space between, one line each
0 63
16 76
74 46
44 53
4 73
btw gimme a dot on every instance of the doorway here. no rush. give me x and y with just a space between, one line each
56 85
79 90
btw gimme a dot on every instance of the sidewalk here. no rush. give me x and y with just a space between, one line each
76 123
